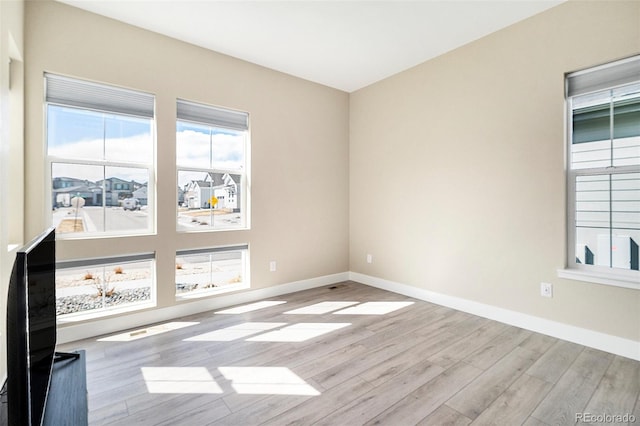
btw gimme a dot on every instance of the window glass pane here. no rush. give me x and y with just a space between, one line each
593 219
193 145
128 139
99 287
591 117
592 201
209 200
626 130
625 220
600 139
126 199
84 201
195 191
591 134
228 149
74 133
202 274
76 196
608 220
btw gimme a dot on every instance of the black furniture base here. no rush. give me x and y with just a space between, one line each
67 398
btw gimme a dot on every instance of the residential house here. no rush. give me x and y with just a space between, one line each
141 194
223 186
116 189
65 188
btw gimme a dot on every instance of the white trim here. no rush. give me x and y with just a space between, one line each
70 333
604 342
605 279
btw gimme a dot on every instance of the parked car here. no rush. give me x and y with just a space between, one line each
131 204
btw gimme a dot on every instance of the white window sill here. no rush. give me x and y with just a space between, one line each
600 278
102 313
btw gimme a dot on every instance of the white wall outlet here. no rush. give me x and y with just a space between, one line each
272 266
546 290
369 258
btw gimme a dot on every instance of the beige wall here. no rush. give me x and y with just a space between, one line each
11 150
457 169
299 205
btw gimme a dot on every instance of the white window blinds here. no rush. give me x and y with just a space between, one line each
212 116
100 97
607 76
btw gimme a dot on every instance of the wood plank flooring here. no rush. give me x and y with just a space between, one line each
379 358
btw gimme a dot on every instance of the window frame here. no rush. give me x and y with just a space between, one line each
573 270
214 291
106 262
225 119
150 166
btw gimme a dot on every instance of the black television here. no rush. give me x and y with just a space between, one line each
31 330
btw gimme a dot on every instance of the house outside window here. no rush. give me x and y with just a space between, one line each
212 150
603 174
100 151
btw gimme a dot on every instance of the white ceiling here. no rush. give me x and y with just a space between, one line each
342 44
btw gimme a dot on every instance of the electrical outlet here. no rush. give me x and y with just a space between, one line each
272 266
369 258
546 290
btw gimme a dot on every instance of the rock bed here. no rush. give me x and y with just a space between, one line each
88 302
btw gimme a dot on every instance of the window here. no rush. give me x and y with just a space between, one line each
100 148
203 272
104 285
604 171
212 152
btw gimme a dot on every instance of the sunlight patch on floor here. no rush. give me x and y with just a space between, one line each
147 331
251 307
321 308
373 308
299 332
235 332
267 381
180 380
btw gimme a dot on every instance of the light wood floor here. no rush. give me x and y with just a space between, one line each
402 362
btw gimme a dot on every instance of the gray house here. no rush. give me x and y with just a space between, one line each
117 189
65 188
224 187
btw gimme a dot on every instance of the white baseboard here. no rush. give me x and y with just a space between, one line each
605 342
111 324
594 339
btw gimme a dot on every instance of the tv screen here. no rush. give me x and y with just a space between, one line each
31 330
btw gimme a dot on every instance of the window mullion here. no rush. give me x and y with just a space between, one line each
611 147
610 221
210 148
611 118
